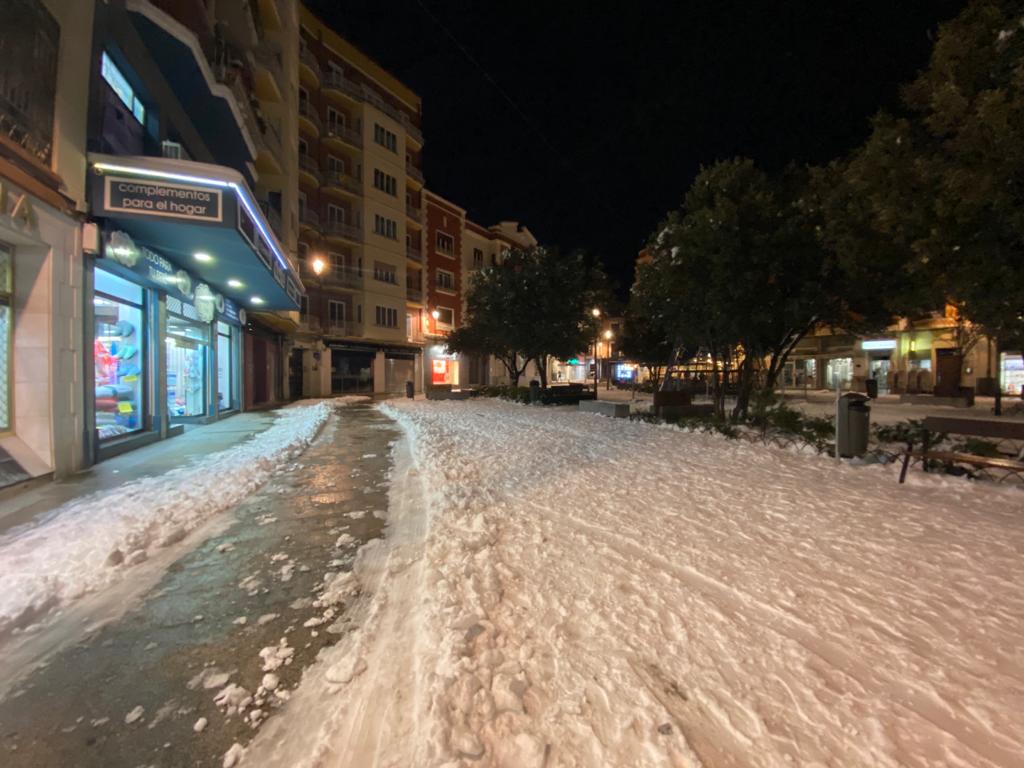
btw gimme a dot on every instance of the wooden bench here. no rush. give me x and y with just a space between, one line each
943 425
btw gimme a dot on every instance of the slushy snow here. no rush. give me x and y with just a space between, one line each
561 589
90 543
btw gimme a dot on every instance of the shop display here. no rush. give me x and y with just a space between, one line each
118 355
186 345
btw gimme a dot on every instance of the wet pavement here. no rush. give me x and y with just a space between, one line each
131 694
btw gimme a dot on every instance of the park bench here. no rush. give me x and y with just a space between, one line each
995 467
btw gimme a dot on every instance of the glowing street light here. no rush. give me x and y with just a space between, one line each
319 265
595 312
435 314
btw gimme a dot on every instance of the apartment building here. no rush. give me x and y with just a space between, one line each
360 199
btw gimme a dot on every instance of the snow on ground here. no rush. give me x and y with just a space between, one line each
92 542
581 591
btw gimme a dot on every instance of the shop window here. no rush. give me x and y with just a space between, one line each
187 343
6 328
119 355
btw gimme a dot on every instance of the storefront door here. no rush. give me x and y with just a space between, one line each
227 367
187 349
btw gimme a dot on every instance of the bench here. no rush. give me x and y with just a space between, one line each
1009 465
605 408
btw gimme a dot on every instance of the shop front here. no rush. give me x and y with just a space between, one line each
177 266
1011 373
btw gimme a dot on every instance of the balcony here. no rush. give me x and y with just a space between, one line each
344 328
273 217
308 113
309 218
310 64
335 81
414 173
309 165
342 133
343 230
341 181
413 132
413 293
413 253
416 214
347 277
269 75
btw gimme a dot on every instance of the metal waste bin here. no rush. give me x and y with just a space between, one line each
854 424
409 390
534 391
872 387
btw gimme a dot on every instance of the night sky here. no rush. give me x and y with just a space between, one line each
588 120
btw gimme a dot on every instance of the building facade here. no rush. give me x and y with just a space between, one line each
360 199
186 182
44 80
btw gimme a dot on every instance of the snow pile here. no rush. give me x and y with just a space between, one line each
90 543
594 592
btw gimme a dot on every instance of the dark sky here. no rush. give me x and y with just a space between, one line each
588 120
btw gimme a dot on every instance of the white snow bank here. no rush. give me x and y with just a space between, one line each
93 542
594 593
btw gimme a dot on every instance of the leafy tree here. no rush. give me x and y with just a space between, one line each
648 337
532 306
939 187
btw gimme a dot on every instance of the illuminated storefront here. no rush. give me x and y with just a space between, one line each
1011 373
183 253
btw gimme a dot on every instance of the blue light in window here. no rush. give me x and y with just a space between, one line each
119 83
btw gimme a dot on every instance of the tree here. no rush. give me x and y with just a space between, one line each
532 306
940 185
647 336
744 273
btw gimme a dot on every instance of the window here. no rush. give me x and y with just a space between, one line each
385 227
303 148
385 273
336 312
445 243
385 182
478 258
119 355
6 327
387 317
335 215
335 120
385 138
445 317
303 247
445 280
336 165
119 84
304 306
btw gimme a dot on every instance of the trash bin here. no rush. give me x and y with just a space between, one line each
872 388
854 424
534 391
409 391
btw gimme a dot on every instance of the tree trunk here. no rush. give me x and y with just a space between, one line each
745 386
542 369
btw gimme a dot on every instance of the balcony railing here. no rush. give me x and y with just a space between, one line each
413 292
270 60
416 214
413 253
344 328
309 60
412 130
308 112
337 82
415 173
309 218
342 229
346 276
309 164
346 134
343 181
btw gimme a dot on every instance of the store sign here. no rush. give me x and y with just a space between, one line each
877 344
151 198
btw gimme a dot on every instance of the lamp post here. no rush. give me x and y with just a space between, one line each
596 313
608 341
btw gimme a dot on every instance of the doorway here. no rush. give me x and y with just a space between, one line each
880 367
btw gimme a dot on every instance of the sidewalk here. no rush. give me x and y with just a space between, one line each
33 503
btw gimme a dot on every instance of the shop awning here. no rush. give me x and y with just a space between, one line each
201 217
278 323
181 60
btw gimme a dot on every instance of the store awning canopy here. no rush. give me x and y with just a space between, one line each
200 217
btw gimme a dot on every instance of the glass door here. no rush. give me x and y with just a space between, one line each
119 355
187 344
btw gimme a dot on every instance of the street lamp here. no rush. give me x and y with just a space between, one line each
608 341
319 265
435 313
596 313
